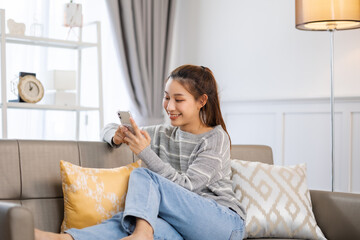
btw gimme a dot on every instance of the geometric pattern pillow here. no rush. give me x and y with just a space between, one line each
92 195
276 199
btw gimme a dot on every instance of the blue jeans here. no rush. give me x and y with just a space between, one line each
173 211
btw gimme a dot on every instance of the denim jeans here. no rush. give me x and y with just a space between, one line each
173 211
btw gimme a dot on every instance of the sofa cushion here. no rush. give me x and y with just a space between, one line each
91 152
10 187
47 213
92 195
40 178
276 199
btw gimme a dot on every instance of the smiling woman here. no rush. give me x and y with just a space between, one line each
188 174
181 107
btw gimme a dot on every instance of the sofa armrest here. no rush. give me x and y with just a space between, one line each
16 222
337 214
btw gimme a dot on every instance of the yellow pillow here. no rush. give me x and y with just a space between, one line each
92 195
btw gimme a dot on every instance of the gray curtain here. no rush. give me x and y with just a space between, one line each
143 31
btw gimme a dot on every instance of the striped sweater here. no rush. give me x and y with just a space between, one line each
197 162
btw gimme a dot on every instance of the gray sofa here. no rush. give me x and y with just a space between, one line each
31 193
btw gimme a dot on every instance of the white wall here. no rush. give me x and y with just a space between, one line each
298 131
258 56
256 52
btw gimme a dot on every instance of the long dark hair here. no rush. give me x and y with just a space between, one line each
199 80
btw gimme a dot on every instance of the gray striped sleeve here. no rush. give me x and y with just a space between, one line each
108 132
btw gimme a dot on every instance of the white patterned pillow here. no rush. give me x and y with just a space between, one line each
276 199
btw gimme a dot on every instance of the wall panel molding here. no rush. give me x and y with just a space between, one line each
298 130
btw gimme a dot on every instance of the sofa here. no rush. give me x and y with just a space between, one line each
31 193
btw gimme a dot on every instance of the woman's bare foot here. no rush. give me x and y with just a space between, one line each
41 235
143 231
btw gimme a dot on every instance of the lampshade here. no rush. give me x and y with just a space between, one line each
323 15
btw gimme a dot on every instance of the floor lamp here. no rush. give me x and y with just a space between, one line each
328 15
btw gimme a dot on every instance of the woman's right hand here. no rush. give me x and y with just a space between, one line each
119 135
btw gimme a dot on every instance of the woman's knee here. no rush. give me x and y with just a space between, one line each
139 172
143 173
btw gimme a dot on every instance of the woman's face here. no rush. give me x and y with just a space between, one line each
181 107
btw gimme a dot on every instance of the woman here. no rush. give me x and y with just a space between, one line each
186 191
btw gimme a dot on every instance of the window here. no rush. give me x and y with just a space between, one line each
45 18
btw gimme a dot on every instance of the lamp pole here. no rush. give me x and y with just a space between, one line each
331 29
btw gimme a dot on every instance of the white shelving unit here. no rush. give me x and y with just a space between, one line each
56 43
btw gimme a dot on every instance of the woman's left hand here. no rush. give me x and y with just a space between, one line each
137 141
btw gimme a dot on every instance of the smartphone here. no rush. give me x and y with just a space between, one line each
124 117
